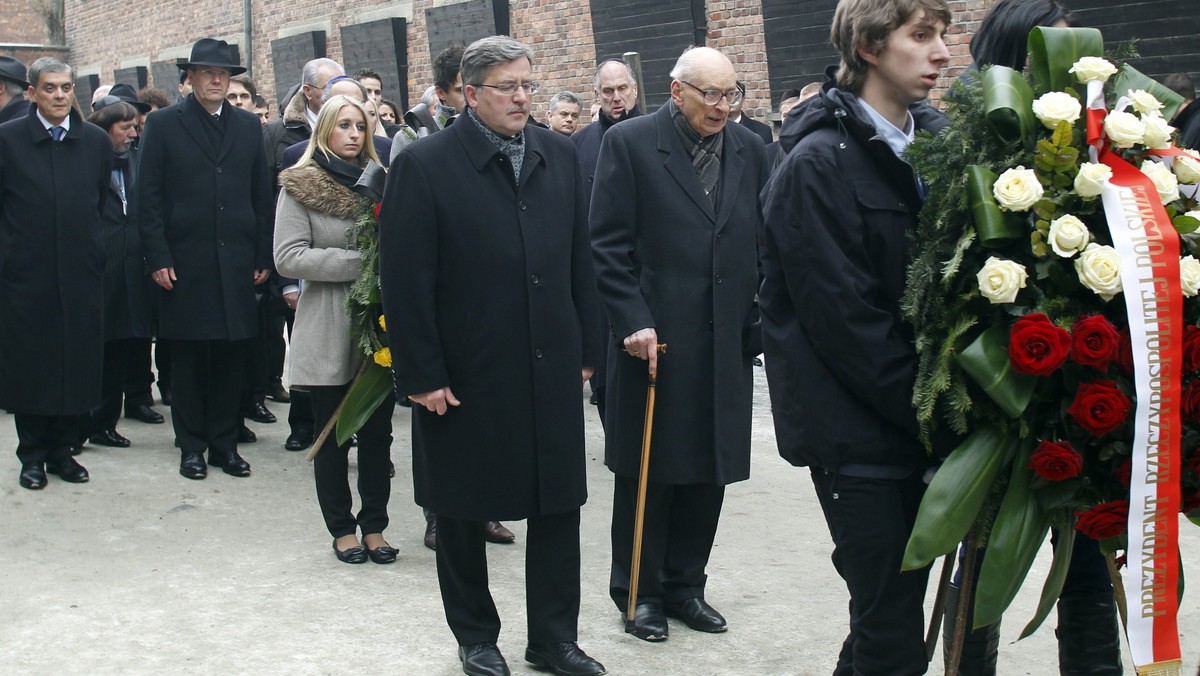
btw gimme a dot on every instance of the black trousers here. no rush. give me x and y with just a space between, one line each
870 521
118 355
331 467
45 437
677 539
255 362
207 378
276 347
551 579
301 416
138 375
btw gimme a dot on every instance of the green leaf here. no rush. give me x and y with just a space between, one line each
986 361
1052 52
1130 78
1019 531
1062 134
1008 104
994 227
1054 580
953 499
1185 224
366 394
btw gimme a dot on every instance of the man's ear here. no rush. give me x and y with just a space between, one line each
867 55
471 95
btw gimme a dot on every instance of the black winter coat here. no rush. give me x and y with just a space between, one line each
488 290
51 265
840 361
209 213
665 259
126 287
17 107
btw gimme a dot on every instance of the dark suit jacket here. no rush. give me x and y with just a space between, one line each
762 129
18 107
208 211
665 259
126 288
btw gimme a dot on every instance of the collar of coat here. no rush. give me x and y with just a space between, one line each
293 115
313 187
480 150
38 131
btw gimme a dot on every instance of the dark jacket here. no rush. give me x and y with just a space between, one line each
126 290
51 265
840 362
665 259
284 132
587 142
17 107
208 211
292 155
488 290
760 129
1188 124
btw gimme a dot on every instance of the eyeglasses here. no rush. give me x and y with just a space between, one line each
713 96
510 88
213 73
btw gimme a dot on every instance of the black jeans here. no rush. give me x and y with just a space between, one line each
331 467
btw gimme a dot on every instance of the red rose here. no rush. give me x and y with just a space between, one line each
1125 353
1094 342
1104 521
1189 410
1099 407
1123 472
1056 460
1191 348
1036 346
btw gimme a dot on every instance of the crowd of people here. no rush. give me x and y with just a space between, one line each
198 232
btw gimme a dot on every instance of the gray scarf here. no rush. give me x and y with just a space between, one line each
513 148
705 152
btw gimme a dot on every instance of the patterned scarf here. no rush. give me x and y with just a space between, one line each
705 152
513 148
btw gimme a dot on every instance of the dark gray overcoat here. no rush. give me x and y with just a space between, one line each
665 259
208 211
126 287
488 289
51 265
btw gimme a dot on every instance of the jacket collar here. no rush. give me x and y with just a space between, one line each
480 150
678 164
38 131
190 112
293 115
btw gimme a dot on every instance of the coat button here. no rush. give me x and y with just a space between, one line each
220 207
522 206
535 280
719 280
218 170
591 179
220 242
538 353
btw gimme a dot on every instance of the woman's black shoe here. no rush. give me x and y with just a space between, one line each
356 554
384 554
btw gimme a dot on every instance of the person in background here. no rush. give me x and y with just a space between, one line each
389 111
13 86
563 116
262 108
1187 119
736 115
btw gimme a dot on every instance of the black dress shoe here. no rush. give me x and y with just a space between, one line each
258 413
496 533
482 659
431 533
300 439
649 622
75 450
232 464
33 476
144 413
68 470
565 658
356 554
277 392
383 554
192 466
247 436
109 438
697 614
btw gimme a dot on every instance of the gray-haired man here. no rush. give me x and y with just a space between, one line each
564 113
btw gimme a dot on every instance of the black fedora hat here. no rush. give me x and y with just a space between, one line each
122 92
11 69
210 52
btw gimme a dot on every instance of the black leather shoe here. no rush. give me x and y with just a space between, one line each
247 436
649 622
299 440
258 413
697 614
33 476
356 554
68 470
165 395
192 466
431 533
383 554
566 659
109 438
232 464
144 413
76 450
277 392
482 659
495 532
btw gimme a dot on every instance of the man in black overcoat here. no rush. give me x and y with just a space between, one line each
674 222
54 170
12 89
489 304
206 215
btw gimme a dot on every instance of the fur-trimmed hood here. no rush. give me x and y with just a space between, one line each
313 187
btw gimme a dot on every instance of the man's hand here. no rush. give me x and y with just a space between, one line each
260 276
587 373
437 401
643 344
291 299
164 278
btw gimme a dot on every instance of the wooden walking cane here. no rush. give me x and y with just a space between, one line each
939 606
639 519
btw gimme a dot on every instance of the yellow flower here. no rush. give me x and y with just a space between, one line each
384 357
382 323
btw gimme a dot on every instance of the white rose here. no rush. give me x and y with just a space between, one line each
1164 181
1099 269
1144 102
1187 170
1055 107
1093 68
1017 189
1158 132
1189 275
1124 129
1089 182
1000 280
1068 235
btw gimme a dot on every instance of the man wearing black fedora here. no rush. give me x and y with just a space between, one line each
205 210
12 89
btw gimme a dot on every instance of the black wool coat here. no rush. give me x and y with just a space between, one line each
665 259
208 211
488 290
51 265
126 287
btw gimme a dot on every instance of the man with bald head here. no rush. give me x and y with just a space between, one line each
674 222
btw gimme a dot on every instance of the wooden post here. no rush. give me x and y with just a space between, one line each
635 64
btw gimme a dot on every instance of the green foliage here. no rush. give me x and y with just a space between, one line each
363 302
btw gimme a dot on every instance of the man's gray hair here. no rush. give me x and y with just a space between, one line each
563 97
485 53
430 97
685 67
623 62
342 78
11 87
308 75
48 64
